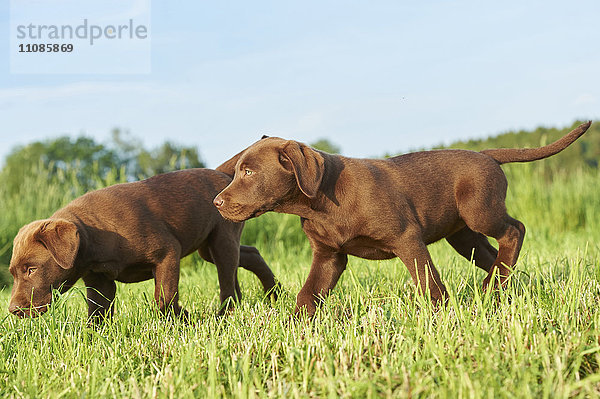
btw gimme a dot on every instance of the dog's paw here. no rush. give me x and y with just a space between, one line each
226 307
272 294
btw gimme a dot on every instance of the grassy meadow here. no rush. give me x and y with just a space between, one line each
373 337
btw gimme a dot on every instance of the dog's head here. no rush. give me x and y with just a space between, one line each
43 258
268 174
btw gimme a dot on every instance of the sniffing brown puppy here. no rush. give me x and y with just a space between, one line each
381 209
131 232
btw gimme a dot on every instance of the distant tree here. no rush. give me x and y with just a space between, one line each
584 152
94 161
126 146
142 163
82 154
166 158
327 146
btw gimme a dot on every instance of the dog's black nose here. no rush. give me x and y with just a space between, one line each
218 201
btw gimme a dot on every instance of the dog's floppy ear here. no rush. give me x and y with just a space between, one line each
61 239
308 166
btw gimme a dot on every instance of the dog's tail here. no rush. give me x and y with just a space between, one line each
507 155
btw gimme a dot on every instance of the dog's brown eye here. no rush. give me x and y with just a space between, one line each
30 270
248 172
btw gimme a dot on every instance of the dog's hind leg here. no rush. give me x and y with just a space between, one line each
510 241
223 245
509 233
481 206
250 259
166 281
474 247
205 253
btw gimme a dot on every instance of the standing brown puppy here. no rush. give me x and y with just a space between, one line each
381 209
131 232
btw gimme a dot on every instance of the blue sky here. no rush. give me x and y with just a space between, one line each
373 77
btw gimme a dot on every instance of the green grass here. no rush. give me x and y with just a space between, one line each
373 337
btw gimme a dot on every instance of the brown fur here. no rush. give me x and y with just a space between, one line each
381 209
131 232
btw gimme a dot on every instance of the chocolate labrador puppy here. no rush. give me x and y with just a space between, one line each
131 232
384 208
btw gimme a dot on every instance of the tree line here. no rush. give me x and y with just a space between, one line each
124 155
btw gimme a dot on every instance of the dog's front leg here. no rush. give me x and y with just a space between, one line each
415 256
100 296
325 271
